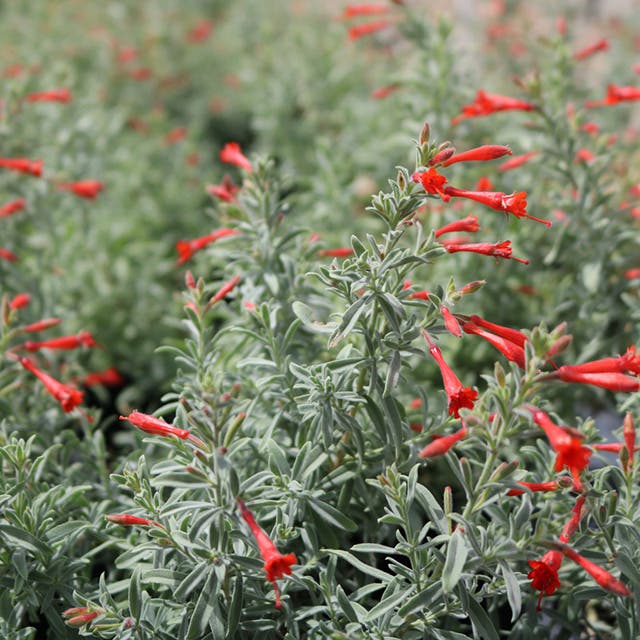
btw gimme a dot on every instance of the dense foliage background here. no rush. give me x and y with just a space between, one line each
300 350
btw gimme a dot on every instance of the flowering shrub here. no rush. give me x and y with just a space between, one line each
397 412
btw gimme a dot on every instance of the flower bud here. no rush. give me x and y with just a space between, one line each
424 133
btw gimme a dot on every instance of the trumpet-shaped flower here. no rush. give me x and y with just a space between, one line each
276 565
458 395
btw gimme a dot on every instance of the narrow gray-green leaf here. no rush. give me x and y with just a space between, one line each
457 552
135 594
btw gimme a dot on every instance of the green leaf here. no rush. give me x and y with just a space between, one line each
422 599
191 581
135 594
332 516
457 552
482 625
204 608
23 539
277 459
431 506
371 547
388 603
345 605
349 319
303 312
591 274
628 567
235 608
361 566
514 595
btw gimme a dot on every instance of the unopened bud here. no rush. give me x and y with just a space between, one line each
195 472
233 428
472 287
558 346
629 435
448 505
564 482
499 374
504 470
424 133
442 156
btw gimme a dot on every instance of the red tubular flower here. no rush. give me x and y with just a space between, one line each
488 103
232 154
609 447
126 520
384 92
592 128
55 95
441 445
544 574
553 485
40 325
226 190
175 135
140 74
567 443
629 435
497 250
600 575
484 184
276 565
110 377
469 224
584 155
433 183
627 363
88 189
512 335
68 397
419 295
364 9
360 30
226 288
200 31
22 165
186 248
515 203
83 339
616 94
510 350
7 255
451 322
459 396
479 154
156 427
574 522
517 161
339 252
587 52
19 301
613 381
12 207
